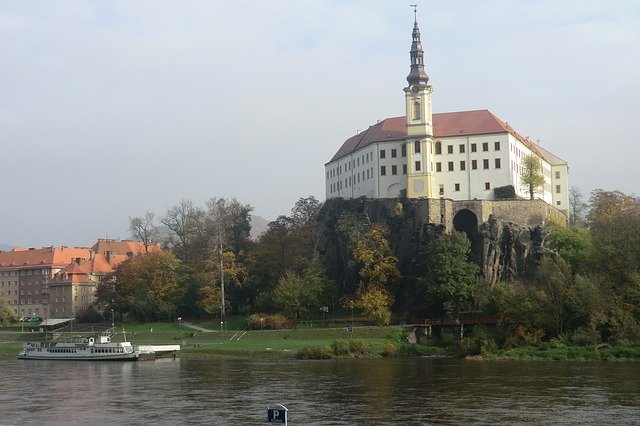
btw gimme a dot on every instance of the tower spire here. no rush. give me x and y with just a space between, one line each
417 74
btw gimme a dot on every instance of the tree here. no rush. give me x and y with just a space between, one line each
614 224
296 294
235 275
187 238
145 286
577 205
6 314
143 229
554 278
377 270
532 177
573 245
229 223
450 277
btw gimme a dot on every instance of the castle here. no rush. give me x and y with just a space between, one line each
455 156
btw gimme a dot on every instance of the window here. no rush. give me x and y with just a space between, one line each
416 147
404 169
449 149
463 166
558 203
404 149
557 189
394 170
461 148
394 153
441 190
474 164
382 153
497 163
485 146
457 187
383 170
416 110
485 163
438 147
438 167
450 166
474 147
487 186
557 175
417 166
496 146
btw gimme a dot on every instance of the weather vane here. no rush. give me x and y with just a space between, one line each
415 11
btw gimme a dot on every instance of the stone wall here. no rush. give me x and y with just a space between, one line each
526 212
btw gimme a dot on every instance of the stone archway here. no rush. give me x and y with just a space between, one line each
466 221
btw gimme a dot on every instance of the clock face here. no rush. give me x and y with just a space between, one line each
415 89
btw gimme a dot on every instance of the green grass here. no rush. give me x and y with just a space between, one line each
287 343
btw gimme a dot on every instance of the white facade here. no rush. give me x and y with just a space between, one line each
461 155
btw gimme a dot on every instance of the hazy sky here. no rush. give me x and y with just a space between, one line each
112 108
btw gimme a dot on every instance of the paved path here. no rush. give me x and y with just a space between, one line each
197 327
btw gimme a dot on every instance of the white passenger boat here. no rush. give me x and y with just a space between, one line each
93 348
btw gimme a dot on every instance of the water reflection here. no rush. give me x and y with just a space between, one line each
377 391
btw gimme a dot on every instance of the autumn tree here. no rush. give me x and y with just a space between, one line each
377 271
532 177
614 224
6 314
235 276
144 229
145 286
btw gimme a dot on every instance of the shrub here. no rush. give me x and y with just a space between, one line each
389 350
267 322
340 347
478 343
314 352
358 347
504 192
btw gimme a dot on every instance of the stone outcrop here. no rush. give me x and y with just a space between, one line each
503 250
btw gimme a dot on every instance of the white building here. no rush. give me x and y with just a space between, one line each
458 155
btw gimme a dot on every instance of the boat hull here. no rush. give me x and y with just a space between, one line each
72 357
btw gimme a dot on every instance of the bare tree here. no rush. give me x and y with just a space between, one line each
186 223
577 205
143 229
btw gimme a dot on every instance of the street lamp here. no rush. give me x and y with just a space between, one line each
112 321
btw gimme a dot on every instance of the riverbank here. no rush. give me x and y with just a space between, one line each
319 343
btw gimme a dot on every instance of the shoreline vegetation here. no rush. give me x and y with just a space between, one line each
327 343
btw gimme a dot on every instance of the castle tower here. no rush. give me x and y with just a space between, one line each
419 123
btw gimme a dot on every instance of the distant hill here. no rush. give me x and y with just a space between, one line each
5 247
258 226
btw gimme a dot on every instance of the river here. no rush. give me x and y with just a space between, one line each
354 391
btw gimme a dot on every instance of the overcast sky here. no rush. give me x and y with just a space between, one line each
112 108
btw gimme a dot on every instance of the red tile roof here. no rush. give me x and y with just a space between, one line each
48 256
460 123
122 247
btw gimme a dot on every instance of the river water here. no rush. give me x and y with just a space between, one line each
369 391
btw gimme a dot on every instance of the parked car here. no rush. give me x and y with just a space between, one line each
33 319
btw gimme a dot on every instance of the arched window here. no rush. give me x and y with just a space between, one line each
416 110
438 147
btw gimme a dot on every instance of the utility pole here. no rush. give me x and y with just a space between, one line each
222 313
